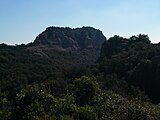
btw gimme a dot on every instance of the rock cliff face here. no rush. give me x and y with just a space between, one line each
69 39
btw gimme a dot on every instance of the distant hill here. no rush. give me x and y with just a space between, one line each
69 39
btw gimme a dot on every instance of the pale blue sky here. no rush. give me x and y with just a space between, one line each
22 20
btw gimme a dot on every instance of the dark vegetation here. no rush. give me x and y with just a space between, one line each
65 74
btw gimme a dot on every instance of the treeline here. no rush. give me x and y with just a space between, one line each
134 61
121 82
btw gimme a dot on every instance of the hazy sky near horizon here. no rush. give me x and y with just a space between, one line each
22 20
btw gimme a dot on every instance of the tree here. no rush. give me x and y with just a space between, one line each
85 89
5 113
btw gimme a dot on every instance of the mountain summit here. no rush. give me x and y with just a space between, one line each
68 38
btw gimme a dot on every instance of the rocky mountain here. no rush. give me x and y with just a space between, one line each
69 39
66 74
57 53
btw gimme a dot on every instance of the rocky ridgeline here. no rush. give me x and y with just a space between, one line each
69 39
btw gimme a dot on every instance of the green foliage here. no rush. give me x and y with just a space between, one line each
57 87
86 113
115 107
111 106
139 110
34 102
134 61
5 113
85 89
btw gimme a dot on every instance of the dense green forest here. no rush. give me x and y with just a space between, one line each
118 81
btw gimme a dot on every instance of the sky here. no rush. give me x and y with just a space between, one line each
22 20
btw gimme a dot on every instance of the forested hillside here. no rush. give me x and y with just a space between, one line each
76 74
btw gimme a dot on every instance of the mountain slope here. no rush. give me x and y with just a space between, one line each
56 54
